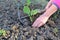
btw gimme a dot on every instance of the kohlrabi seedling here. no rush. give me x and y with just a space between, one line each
2 32
29 12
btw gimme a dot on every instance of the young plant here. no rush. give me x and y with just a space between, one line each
2 32
29 12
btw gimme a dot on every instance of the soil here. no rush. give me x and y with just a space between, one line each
18 25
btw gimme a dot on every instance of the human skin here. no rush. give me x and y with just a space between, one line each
48 5
42 19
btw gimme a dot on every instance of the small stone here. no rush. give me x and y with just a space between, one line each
14 27
17 31
8 32
26 33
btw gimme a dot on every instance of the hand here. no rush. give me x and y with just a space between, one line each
46 8
40 21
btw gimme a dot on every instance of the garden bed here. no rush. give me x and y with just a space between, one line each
17 25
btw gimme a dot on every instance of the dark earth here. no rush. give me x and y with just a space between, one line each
18 25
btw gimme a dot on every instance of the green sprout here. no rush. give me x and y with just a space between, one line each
29 12
2 32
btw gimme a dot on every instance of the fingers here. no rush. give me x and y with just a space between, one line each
40 21
40 24
36 25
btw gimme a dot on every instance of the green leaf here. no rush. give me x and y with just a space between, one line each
28 2
34 12
26 10
2 32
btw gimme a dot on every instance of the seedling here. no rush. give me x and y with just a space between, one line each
29 12
2 32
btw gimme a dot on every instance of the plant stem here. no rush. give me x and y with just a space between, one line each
31 19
